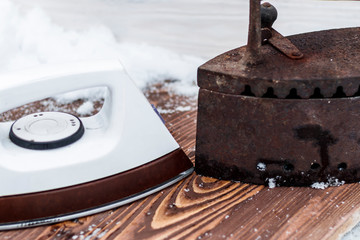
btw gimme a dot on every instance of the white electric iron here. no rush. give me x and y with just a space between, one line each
56 167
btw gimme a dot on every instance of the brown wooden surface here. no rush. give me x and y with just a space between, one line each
205 208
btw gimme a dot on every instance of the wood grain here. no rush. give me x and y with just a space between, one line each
205 208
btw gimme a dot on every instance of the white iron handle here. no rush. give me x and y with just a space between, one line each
17 89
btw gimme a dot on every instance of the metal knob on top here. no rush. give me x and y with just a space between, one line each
268 15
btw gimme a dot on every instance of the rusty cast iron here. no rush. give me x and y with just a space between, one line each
284 110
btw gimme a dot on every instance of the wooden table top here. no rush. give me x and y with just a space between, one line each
205 208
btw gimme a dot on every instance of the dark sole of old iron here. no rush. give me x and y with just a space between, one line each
294 141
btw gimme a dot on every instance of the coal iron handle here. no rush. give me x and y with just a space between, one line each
262 17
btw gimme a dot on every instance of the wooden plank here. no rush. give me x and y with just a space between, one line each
206 208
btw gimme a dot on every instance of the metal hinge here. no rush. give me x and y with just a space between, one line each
273 37
262 17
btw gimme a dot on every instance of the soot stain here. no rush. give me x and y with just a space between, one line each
320 137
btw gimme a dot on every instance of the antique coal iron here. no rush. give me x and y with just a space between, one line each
283 108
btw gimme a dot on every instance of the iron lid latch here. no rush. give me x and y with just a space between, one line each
273 37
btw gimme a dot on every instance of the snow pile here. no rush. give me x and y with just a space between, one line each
272 183
261 167
332 182
30 38
86 108
320 185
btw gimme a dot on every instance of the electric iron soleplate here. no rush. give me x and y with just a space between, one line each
58 205
86 165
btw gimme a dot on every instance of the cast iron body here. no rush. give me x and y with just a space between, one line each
295 121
